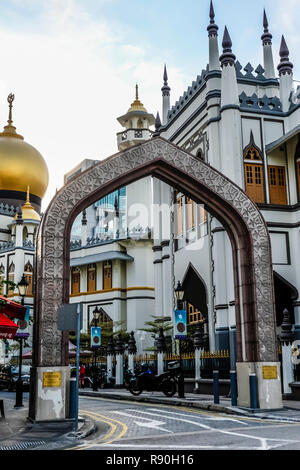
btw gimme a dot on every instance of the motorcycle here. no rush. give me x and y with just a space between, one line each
147 381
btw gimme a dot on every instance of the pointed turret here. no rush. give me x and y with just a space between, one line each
157 125
227 57
165 97
285 65
229 88
285 69
231 136
212 29
267 49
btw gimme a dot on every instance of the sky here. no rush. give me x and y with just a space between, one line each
73 64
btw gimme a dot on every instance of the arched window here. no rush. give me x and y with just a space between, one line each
25 233
28 273
11 277
91 277
107 275
190 214
254 172
75 281
200 154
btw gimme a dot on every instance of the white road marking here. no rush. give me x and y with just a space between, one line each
263 441
152 424
209 418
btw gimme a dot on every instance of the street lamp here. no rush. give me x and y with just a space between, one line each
96 315
179 292
22 288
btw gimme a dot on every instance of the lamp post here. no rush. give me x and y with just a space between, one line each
96 315
22 288
179 292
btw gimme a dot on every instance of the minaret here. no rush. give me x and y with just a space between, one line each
136 123
285 69
165 97
212 29
231 138
267 48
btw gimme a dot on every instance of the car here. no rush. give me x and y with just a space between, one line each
10 374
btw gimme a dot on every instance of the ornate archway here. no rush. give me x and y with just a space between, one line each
256 337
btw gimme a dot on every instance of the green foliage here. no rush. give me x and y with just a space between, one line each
156 324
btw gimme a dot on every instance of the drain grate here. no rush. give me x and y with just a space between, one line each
21 445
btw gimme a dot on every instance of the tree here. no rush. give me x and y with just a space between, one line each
155 325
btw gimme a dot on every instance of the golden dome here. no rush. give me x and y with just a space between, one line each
137 105
28 211
20 163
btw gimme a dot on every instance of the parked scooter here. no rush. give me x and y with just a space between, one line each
147 381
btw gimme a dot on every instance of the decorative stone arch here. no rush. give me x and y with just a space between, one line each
253 277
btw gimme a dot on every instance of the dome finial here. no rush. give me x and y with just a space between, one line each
10 100
28 211
136 92
10 130
27 196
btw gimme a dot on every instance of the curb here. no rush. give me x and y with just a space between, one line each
203 406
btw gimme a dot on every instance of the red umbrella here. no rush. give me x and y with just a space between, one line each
8 328
12 309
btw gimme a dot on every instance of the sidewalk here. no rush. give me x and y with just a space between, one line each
18 433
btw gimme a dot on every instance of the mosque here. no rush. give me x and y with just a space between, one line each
129 249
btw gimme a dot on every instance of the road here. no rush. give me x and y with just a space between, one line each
140 426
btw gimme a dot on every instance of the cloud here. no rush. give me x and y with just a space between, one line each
72 76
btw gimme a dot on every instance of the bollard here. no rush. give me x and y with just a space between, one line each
233 388
216 387
253 391
72 409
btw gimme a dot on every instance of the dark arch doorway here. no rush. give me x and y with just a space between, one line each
285 296
246 228
195 290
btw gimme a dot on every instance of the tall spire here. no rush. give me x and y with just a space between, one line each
227 57
267 36
165 96
267 49
285 65
285 69
212 29
165 89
